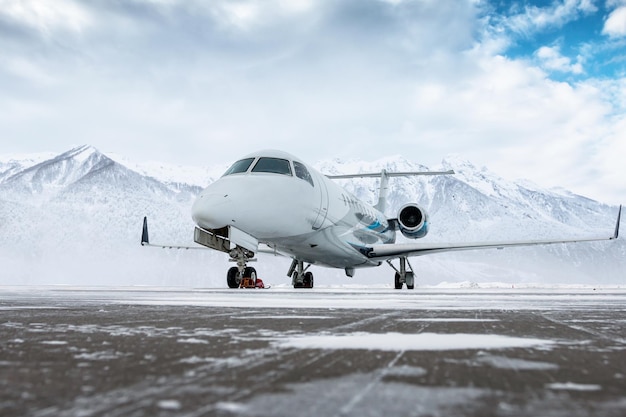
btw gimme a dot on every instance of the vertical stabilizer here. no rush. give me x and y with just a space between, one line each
383 192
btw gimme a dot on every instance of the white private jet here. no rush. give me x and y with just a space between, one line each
270 201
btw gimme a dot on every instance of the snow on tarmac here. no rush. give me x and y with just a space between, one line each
400 342
340 297
571 386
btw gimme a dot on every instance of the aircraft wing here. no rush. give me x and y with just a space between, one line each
383 252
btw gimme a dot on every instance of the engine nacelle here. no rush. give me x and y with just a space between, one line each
413 221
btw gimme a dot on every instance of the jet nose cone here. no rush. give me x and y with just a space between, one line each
211 210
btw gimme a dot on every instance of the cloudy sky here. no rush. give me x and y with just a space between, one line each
531 89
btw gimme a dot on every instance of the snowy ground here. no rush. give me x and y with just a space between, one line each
68 351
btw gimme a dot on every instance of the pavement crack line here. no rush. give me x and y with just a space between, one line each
347 409
242 394
596 333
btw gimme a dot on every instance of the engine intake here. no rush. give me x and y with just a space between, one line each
413 221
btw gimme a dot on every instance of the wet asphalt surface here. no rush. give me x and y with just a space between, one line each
220 353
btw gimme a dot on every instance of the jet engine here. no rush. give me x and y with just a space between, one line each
413 221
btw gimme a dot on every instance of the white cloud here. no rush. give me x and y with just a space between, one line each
615 25
26 69
251 15
242 14
535 18
615 3
509 116
552 60
47 16
297 6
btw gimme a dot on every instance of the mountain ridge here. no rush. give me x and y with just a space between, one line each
85 202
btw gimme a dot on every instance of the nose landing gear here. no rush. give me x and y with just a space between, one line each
241 276
235 279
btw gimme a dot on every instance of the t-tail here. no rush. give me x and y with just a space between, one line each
384 176
412 219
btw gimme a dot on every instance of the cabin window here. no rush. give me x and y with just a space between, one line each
302 172
239 167
272 165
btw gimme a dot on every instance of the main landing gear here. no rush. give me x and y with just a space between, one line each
300 278
241 276
403 275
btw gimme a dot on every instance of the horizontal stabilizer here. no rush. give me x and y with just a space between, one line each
389 174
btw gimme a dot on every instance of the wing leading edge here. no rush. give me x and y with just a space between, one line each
418 249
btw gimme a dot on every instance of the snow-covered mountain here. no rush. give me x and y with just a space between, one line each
12 164
76 218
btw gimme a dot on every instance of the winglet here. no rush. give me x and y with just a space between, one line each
144 235
619 215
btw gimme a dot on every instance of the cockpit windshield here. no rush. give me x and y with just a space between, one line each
302 172
239 167
272 165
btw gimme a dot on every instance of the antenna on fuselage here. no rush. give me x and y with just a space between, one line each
384 176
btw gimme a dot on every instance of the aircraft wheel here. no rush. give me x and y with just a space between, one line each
397 282
233 278
410 281
250 272
296 283
308 280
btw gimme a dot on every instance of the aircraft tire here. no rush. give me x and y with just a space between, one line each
294 280
410 278
308 280
232 277
397 282
250 272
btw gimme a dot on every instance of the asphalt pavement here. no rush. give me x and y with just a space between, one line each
349 352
